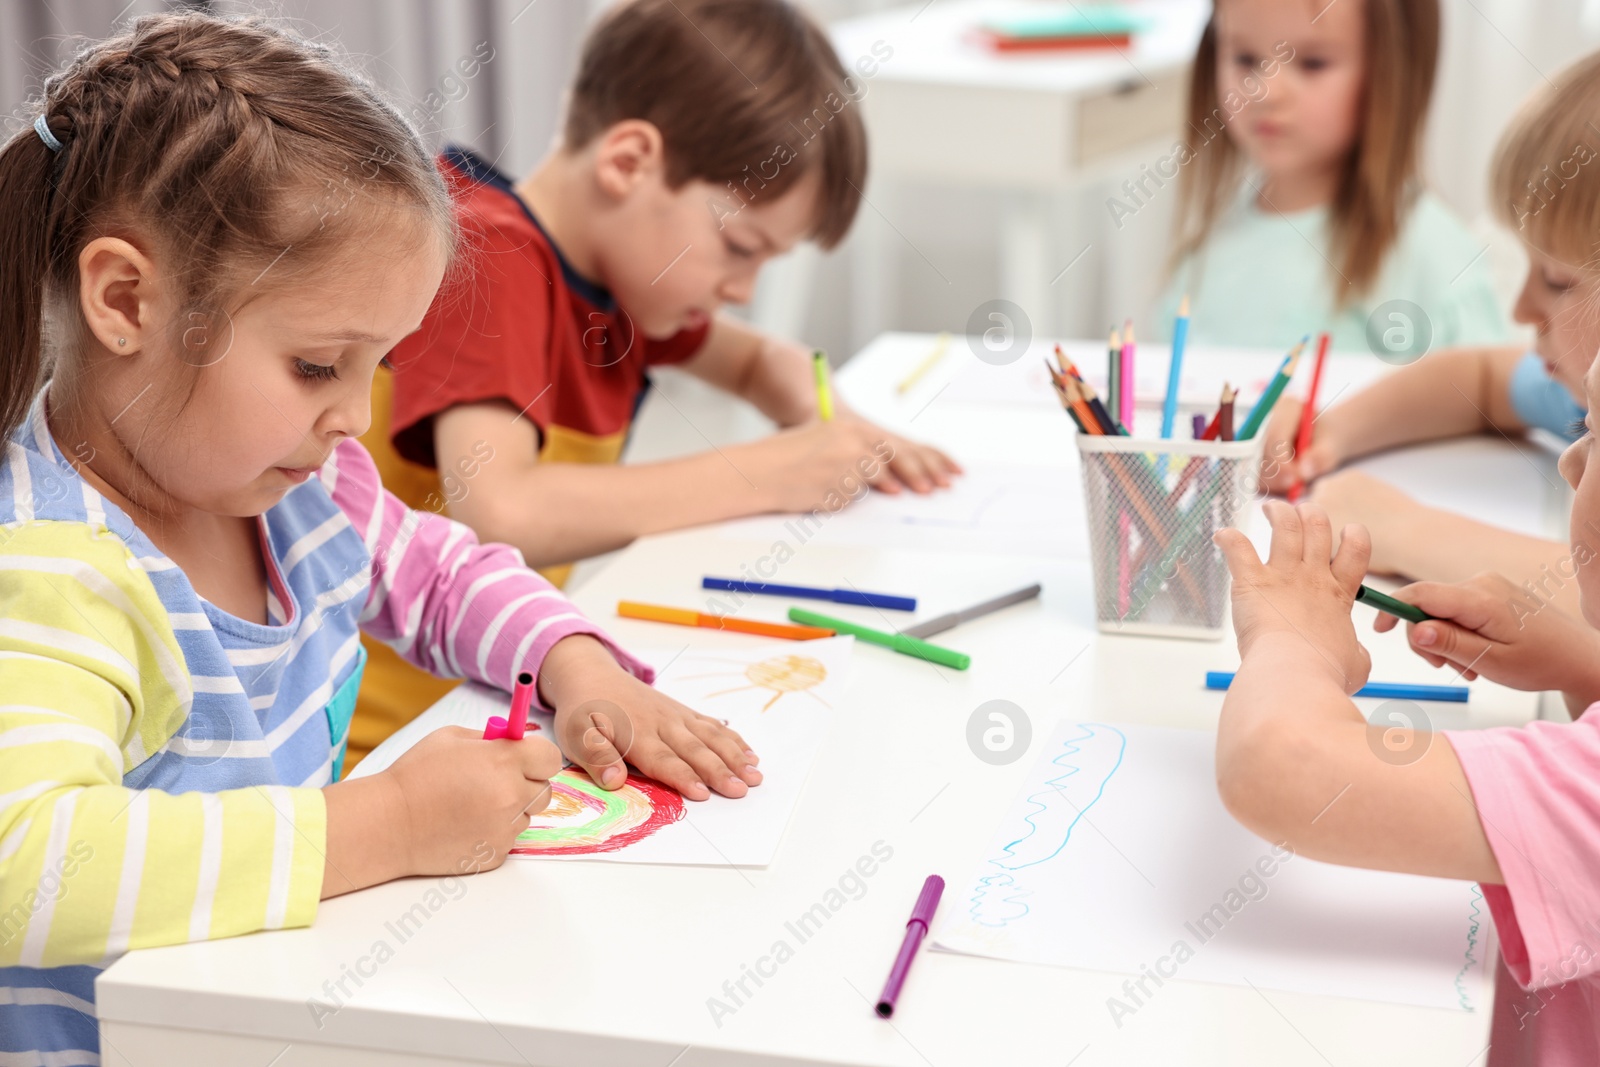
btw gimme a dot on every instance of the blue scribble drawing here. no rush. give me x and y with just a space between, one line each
1095 752
1006 908
1471 962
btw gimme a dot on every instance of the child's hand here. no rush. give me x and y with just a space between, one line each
1487 626
460 792
1281 468
1298 596
1387 513
826 464
912 464
605 716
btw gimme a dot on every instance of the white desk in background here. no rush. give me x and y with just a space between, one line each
947 111
567 963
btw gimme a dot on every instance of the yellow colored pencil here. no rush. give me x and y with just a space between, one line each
940 346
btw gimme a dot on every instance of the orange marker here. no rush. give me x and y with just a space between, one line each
630 609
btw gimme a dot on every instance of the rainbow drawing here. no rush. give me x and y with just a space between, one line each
583 818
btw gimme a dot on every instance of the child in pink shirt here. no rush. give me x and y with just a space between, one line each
1517 810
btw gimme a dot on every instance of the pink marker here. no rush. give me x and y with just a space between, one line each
515 722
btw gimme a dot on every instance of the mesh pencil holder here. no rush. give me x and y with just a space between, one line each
1153 507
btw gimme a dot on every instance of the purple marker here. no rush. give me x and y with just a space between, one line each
916 930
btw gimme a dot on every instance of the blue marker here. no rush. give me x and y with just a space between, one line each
838 596
1450 694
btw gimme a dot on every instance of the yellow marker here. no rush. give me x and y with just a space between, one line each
940 346
819 363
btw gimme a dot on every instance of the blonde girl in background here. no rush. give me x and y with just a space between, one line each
1300 207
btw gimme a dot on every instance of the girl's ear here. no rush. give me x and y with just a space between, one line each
116 293
628 155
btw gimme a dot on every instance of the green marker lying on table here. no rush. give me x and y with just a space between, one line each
909 646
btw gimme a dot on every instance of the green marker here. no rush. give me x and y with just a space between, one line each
909 646
1388 604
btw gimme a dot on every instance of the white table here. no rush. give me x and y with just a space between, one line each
566 963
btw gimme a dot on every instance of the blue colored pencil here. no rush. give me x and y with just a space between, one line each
1180 338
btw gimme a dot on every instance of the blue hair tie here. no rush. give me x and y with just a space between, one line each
43 129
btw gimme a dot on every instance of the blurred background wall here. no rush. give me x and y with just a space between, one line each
945 255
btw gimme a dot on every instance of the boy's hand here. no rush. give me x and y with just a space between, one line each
1281 468
458 792
1299 597
1487 626
1387 513
912 464
606 717
826 464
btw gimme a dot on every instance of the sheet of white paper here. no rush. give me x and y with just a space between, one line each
1008 509
1510 487
780 698
1118 856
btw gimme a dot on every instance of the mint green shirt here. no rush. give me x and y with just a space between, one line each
1263 279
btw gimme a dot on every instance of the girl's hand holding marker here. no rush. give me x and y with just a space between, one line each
1487 626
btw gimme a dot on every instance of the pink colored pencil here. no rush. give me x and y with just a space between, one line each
1124 580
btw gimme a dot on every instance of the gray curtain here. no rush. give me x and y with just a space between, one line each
486 73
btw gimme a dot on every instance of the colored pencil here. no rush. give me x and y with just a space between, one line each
1067 406
819 368
1114 372
1086 391
1125 392
1258 414
1450 694
1074 391
1180 337
1308 414
1199 431
629 609
940 347
1225 413
1107 423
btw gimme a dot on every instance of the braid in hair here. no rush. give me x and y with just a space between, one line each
222 140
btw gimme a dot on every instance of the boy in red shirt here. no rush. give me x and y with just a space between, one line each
702 138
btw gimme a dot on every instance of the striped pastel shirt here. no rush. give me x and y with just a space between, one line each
160 759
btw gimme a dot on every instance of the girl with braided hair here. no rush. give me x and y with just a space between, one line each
212 235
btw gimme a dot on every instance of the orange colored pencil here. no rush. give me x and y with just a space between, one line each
630 609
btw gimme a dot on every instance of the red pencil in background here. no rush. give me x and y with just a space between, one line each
1308 414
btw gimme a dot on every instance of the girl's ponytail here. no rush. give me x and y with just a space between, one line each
27 175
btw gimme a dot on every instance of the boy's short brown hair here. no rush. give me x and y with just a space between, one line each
746 93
